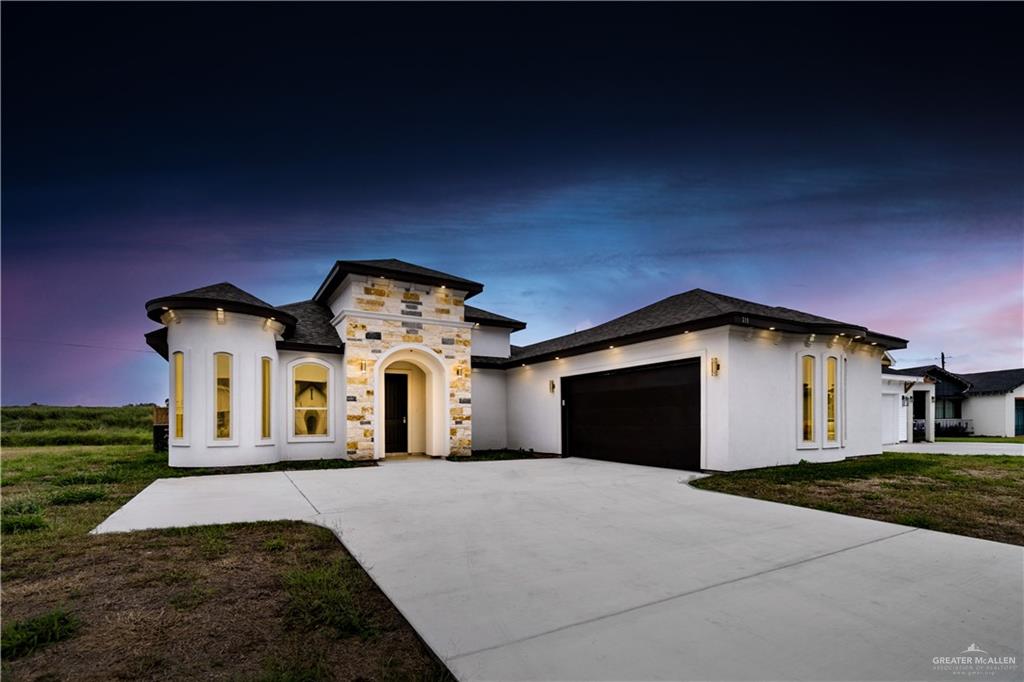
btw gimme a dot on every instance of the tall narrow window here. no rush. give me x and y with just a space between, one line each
310 400
179 394
831 432
222 397
265 398
807 381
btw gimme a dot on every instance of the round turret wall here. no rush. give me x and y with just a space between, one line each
223 401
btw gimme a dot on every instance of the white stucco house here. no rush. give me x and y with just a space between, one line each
388 357
978 404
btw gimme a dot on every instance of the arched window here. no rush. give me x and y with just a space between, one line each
265 366
831 399
807 398
310 386
179 394
222 396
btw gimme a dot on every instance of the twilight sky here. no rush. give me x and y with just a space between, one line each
860 162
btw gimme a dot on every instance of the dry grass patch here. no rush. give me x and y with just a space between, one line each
158 605
981 496
211 602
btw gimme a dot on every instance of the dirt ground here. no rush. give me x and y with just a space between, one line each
207 603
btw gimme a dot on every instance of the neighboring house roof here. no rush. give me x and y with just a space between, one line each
313 329
394 269
223 295
952 385
998 381
947 384
690 311
474 314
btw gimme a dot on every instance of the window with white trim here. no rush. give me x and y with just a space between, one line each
222 396
178 364
832 399
807 398
265 395
310 386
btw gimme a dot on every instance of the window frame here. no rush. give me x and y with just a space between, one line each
332 389
814 443
269 404
839 400
211 432
172 402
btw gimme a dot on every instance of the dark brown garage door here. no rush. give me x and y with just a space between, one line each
643 415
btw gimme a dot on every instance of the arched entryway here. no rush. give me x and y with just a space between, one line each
410 403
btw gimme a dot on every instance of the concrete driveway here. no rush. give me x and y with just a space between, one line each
570 569
955 448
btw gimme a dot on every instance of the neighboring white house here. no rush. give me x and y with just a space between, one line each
903 397
979 404
387 357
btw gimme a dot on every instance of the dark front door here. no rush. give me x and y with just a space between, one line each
1018 417
642 415
396 413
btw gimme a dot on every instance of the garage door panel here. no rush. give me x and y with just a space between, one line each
646 415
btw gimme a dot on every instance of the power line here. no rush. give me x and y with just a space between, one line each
76 345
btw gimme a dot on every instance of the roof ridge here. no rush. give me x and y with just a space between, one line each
712 298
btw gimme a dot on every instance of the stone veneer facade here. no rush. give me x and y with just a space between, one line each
434 321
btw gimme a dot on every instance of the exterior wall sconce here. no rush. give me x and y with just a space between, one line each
810 340
220 316
715 367
551 385
170 316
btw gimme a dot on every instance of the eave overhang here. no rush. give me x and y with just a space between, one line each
847 332
156 308
343 269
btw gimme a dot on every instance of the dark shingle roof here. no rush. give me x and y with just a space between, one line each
485 317
958 385
224 291
393 268
695 309
947 384
486 361
223 295
313 327
157 340
998 381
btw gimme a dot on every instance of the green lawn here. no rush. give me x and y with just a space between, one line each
979 439
979 496
263 601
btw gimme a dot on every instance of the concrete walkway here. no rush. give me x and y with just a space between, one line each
582 570
945 448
